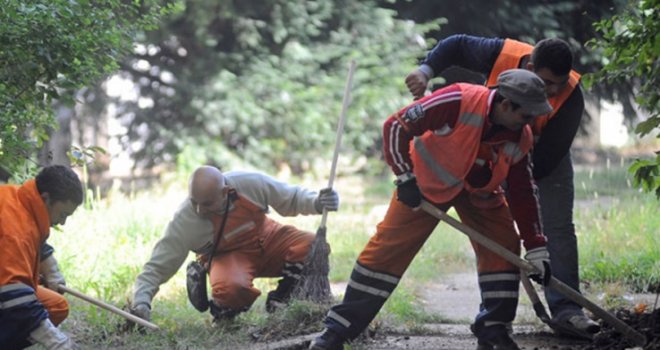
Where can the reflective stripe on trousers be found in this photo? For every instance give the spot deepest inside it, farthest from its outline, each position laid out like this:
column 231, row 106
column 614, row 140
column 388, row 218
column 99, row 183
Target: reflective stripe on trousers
column 366, row 293
column 499, row 300
column 398, row 239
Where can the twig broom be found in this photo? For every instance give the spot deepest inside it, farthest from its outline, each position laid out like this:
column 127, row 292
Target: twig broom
column 314, row 284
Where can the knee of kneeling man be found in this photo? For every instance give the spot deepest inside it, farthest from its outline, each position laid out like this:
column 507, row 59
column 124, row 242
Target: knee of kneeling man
column 226, row 289
column 58, row 312
column 234, row 295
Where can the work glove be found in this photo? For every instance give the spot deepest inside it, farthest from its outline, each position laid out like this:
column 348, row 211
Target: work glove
column 540, row 258
column 142, row 311
column 328, row 199
column 408, row 193
column 417, row 82
column 50, row 271
column 50, row 337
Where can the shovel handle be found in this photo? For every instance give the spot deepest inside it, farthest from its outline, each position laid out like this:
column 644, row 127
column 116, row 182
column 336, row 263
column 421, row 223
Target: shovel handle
column 110, row 308
column 627, row 331
column 539, row 308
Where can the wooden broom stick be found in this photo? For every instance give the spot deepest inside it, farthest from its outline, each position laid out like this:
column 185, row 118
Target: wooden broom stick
column 110, row 308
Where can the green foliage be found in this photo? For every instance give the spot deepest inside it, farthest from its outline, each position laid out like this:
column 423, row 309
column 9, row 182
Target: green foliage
column 647, row 174
column 630, row 48
column 49, row 49
column 267, row 81
column 525, row 20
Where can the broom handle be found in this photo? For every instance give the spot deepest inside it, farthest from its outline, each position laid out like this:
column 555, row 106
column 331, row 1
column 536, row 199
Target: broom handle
column 109, row 307
column 524, row 265
column 340, row 132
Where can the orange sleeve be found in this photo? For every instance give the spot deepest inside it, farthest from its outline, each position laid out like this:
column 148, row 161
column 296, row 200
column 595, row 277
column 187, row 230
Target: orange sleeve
column 19, row 243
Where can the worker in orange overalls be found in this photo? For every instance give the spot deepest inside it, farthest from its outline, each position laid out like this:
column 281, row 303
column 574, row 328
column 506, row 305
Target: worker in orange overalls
column 455, row 148
column 224, row 221
column 552, row 60
column 30, row 313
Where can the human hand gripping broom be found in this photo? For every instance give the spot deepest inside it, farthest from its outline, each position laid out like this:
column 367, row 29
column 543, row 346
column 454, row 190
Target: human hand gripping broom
column 314, row 284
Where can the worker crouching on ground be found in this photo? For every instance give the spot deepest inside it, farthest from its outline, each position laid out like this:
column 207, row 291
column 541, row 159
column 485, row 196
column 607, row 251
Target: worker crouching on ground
column 455, row 148
column 224, row 221
column 30, row 313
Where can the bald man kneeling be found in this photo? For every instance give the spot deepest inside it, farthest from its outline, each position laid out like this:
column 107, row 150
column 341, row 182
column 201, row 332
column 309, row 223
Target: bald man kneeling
column 224, row 222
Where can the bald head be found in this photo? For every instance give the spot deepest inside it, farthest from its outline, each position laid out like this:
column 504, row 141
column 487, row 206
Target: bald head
column 207, row 191
column 206, row 178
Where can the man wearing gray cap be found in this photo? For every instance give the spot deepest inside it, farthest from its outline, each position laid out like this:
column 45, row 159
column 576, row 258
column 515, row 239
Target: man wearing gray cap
column 454, row 148
column 552, row 60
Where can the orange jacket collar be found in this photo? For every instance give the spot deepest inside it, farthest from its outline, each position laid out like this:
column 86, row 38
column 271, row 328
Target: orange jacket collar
column 30, row 198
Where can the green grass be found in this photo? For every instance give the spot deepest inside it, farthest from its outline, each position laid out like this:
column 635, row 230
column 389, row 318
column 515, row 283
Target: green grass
column 618, row 228
column 103, row 247
column 620, row 243
column 610, row 179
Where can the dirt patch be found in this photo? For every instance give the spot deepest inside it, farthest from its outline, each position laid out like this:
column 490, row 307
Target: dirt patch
column 455, row 299
column 647, row 323
column 455, row 337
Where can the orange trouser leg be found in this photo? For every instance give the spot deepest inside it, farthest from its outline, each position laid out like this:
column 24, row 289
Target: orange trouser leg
column 231, row 279
column 55, row 303
column 284, row 245
column 494, row 223
column 498, row 279
column 232, row 274
column 379, row 267
column 398, row 238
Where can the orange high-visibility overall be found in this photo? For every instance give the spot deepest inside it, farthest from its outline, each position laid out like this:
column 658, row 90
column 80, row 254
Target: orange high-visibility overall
column 24, row 226
column 441, row 164
column 253, row 245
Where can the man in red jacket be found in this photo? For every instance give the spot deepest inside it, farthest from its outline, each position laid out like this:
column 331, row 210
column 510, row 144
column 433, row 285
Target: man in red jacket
column 552, row 60
column 29, row 313
column 455, row 148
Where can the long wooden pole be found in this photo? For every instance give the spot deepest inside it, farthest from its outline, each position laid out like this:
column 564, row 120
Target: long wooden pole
column 627, row 331
column 110, row 308
column 340, row 132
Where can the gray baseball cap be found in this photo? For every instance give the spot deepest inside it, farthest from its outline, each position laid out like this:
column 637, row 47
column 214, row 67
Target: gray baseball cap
column 526, row 89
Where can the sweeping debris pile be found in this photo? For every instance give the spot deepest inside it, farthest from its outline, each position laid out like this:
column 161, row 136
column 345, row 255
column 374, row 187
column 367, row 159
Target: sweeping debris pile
column 647, row 323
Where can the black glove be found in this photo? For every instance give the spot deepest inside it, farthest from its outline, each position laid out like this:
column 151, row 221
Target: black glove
column 408, row 193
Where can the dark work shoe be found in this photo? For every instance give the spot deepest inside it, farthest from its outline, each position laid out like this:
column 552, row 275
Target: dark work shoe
column 223, row 313
column 329, row 340
column 577, row 326
column 500, row 341
column 274, row 302
column 482, row 345
column 503, row 342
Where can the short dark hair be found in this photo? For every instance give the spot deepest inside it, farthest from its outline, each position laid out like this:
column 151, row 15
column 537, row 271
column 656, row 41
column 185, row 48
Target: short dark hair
column 61, row 183
column 554, row 54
